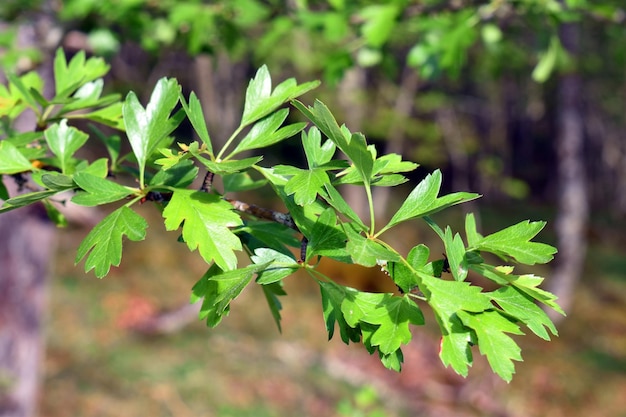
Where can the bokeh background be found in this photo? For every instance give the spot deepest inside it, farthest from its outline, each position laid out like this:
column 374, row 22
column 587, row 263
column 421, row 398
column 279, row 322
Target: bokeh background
column 523, row 102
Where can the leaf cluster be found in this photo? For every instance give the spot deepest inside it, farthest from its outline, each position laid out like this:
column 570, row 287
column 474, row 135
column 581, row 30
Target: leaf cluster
column 318, row 222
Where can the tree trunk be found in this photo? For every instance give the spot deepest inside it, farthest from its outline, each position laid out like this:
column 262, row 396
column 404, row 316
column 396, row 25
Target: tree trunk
column 572, row 199
column 25, row 250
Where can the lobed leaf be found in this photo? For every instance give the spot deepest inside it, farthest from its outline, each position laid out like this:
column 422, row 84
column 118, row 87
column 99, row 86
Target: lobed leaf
column 104, row 242
column 501, row 350
column 514, row 242
column 11, row 159
column 64, row 141
column 97, row 191
column 207, row 222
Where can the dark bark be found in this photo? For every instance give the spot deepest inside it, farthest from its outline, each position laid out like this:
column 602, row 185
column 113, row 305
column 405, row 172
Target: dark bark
column 572, row 217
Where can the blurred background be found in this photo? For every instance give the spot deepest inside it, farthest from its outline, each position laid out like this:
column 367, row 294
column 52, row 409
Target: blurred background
column 521, row 101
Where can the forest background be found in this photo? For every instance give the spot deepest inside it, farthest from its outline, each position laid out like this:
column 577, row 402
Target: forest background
column 522, row 102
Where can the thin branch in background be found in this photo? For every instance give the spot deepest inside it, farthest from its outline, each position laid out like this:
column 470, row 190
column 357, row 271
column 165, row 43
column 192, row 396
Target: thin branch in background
column 263, row 213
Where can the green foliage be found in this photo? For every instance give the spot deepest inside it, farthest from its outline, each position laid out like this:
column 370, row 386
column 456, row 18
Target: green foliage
column 319, row 222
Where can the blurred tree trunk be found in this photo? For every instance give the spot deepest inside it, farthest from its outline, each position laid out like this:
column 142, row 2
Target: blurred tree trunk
column 572, row 198
column 25, row 250
column 26, row 247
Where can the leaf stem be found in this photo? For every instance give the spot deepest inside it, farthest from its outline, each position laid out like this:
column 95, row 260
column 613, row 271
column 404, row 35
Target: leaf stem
column 228, row 142
column 370, row 201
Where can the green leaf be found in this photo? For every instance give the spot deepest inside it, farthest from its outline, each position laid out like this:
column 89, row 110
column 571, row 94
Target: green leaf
column 333, row 296
column 402, row 275
column 25, row 199
column 146, row 128
column 455, row 346
column 219, row 288
column 266, row 132
column 500, row 349
column 353, row 145
column 455, row 250
column 326, row 238
column 379, row 23
column 520, row 306
column 449, row 297
column 423, row 200
column 279, row 265
column 98, row 191
column 393, row 319
column 229, row 167
column 316, row 153
column 529, row 285
column 64, row 141
column 79, row 71
column 472, row 235
column 261, row 101
column 336, row 200
column 306, row 184
column 272, row 292
column 207, row 219
column 11, row 159
column 514, row 242
column 357, row 305
column 367, row 252
column 179, row 175
column 104, row 242
column 54, row 214
column 241, row 181
column 196, row 117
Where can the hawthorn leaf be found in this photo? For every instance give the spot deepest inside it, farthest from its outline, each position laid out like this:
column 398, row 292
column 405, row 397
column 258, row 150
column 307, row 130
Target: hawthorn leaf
column 279, row 265
column 178, row 175
column 500, row 349
column 316, row 153
column 196, row 117
column 266, row 132
column 64, row 141
column 521, row 306
column 219, row 288
column 261, row 101
column 392, row 360
column 68, row 77
column 11, row 159
column 357, row 305
column 529, row 285
column 146, row 128
column 97, row 191
column 514, row 242
column 403, row 276
column 449, row 297
column 25, row 199
column 229, row 167
column 241, row 181
column 333, row 296
column 272, row 292
column 262, row 234
column 353, row 145
column 455, row 349
column 326, row 239
column 336, row 200
column 455, row 250
column 472, row 235
column 306, row 184
column 364, row 251
column 104, row 242
column 393, row 318
column 207, row 222
column 423, row 200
